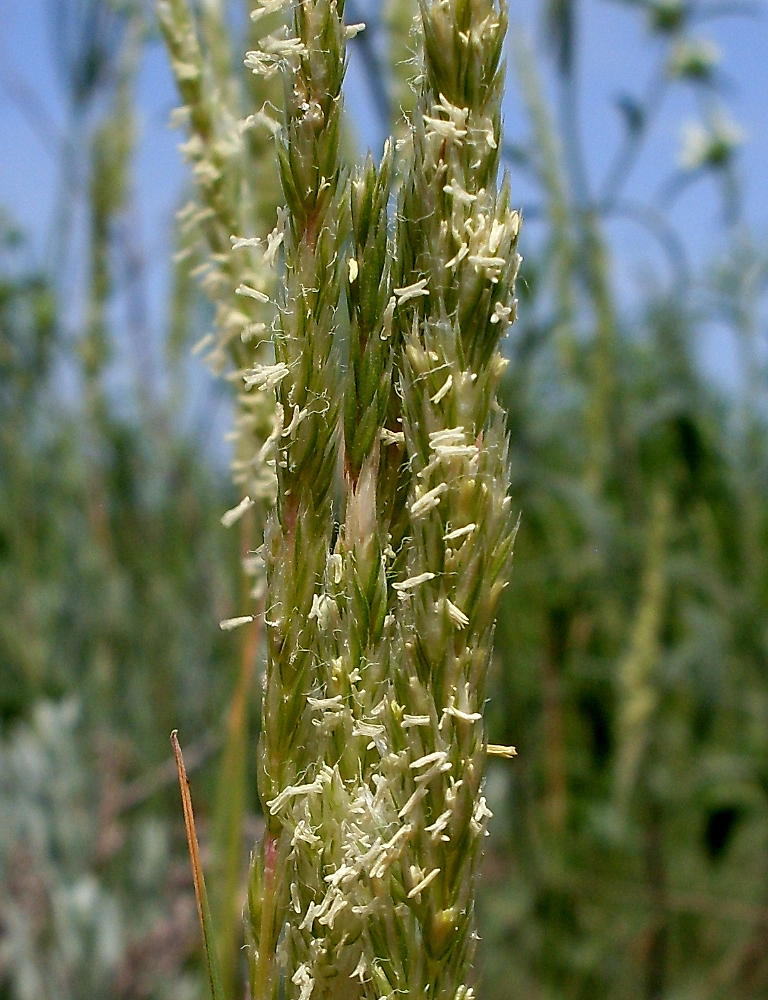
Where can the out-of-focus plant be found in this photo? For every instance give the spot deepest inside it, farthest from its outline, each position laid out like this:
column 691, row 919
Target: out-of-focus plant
column 90, row 605
column 106, row 559
column 232, row 228
column 631, row 629
column 69, row 931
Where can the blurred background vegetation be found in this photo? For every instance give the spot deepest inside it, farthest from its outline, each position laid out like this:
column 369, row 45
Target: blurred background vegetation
column 629, row 853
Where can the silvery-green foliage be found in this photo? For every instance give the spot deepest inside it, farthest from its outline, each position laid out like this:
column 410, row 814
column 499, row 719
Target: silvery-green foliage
column 71, row 930
column 46, row 839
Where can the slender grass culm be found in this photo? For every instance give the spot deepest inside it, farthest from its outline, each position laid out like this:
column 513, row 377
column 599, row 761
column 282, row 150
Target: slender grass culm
column 386, row 331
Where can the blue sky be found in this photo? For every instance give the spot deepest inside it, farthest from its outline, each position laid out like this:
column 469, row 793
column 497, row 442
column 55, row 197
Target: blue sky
column 617, row 55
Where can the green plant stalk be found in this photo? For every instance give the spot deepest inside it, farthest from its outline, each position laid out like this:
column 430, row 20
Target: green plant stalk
column 602, row 423
column 561, row 254
column 229, row 813
column 637, row 686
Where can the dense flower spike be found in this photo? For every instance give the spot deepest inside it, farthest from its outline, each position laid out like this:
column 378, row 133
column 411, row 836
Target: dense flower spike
column 306, row 379
column 379, row 629
column 227, row 152
column 456, row 241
